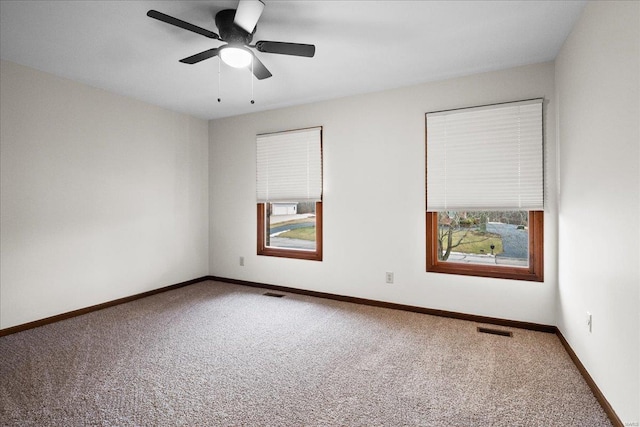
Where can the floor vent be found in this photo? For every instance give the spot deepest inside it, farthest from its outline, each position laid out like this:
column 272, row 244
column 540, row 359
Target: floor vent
column 495, row 332
column 272, row 294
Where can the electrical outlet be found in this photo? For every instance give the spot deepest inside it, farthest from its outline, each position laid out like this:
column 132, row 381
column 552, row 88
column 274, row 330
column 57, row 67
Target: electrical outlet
column 389, row 276
column 241, row 261
column 589, row 321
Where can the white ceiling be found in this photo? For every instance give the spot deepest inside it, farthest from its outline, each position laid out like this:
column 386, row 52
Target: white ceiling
column 361, row 46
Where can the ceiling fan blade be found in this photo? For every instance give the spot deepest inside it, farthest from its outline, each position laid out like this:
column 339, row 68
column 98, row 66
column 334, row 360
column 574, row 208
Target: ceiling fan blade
column 259, row 70
column 201, row 56
column 247, row 14
column 182, row 24
column 296, row 49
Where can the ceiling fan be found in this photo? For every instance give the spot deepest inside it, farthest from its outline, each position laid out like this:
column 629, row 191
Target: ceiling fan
column 237, row 28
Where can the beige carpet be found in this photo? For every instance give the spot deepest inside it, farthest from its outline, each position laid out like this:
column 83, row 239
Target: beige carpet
column 215, row 354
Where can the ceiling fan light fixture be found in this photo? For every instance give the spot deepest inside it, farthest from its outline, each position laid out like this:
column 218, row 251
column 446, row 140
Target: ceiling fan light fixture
column 237, row 57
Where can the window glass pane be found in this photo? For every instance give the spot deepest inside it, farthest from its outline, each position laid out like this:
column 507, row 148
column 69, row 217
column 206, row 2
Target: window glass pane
column 291, row 225
column 484, row 237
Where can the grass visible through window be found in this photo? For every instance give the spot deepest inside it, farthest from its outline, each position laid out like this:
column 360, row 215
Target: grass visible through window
column 303, row 229
column 306, row 233
column 476, row 242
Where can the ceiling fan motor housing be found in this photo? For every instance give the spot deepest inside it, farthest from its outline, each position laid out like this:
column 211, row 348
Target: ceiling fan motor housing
column 230, row 32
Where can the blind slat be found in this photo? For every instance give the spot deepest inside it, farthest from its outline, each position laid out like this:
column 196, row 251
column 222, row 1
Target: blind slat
column 486, row 158
column 289, row 166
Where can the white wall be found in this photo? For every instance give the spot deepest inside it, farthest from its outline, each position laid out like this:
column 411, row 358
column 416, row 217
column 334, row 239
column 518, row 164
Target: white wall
column 102, row 196
column 374, row 199
column 598, row 86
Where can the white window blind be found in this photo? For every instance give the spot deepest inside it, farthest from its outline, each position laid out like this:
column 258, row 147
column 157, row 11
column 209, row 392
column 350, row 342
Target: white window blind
column 289, row 166
column 486, row 158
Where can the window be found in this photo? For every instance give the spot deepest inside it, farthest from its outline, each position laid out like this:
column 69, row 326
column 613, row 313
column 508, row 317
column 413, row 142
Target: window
column 484, row 214
column 289, row 194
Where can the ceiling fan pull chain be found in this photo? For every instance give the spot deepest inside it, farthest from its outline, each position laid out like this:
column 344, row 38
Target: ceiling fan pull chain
column 251, row 77
column 219, row 80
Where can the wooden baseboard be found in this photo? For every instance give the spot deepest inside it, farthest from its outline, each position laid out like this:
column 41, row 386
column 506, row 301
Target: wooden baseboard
column 81, row 311
column 434, row 312
column 606, row 406
column 355, row 300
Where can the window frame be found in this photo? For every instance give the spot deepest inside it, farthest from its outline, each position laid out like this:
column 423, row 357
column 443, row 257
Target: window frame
column 265, row 250
column 534, row 272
